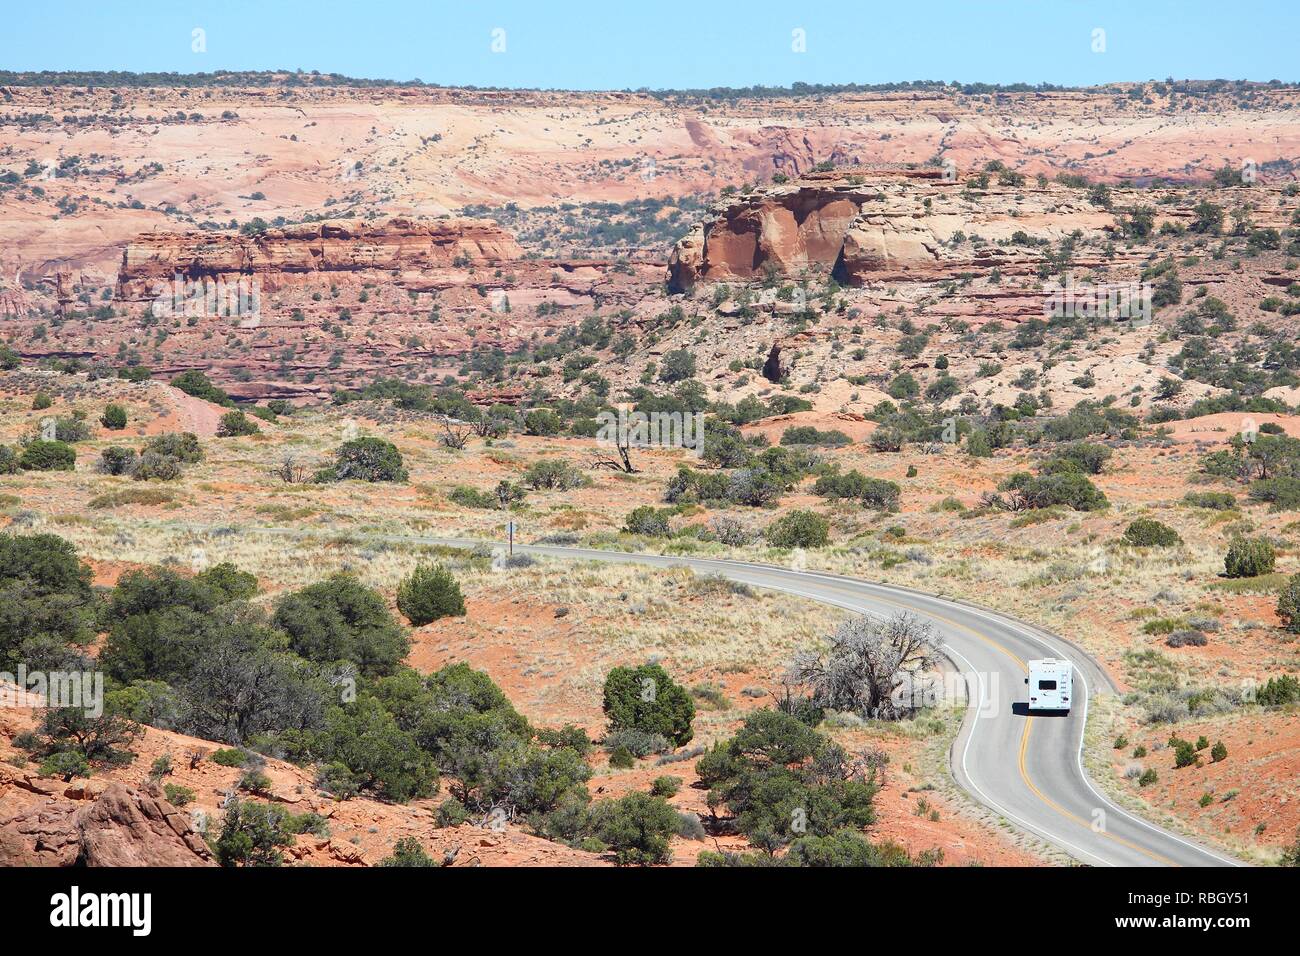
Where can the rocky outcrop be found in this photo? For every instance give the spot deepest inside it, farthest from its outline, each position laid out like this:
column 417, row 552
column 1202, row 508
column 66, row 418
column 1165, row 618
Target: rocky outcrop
column 879, row 224
column 124, row 826
column 277, row 256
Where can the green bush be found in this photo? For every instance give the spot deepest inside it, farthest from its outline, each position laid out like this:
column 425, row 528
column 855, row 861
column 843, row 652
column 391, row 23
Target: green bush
column 1288, row 604
column 554, row 473
column 1249, row 557
column 665, row 786
column 542, row 422
column 41, row 401
column 252, row 833
column 183, row 446
column 236, row 424
column 151, row 466
column 1149, row 533
column 114, row 417
column 1215, row 500
column 874, row 492
column 116, row 460
column 645, row 698
column 1279, row 692
column 177, row 795
column 8, row 461
column 197, row 384
column 636, row 827
column 781, row 780
column 48, row 456
column 428, row 593
column 367, row 459
column 340, row 619
column 798, row 529
column 648, row 521
column 229, row 757
column 407, row 852
column 1218, row 752
column 1149, row 776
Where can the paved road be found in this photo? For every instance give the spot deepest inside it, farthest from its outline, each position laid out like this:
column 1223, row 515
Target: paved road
column 1028, row 770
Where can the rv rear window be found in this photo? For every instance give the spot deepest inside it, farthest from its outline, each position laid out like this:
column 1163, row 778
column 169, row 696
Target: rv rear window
column 1047, row 685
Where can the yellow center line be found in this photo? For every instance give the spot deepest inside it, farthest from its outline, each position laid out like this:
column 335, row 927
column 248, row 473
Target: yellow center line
column 1029, row 723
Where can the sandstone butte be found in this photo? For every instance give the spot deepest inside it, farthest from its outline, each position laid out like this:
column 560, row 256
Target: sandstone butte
column 868, row 225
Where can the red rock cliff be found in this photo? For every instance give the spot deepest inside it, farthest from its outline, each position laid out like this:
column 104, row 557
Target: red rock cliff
column 340, row 246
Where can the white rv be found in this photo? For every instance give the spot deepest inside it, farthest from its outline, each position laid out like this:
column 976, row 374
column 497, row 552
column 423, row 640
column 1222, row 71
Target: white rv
column 1051, row 685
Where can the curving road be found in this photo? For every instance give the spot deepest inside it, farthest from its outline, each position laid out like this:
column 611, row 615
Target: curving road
column 1028, row 770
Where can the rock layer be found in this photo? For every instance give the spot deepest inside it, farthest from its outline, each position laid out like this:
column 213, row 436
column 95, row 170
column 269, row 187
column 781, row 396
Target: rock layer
column 276, row 256
column 878, row 224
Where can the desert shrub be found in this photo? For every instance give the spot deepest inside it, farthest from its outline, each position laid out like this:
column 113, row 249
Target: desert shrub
column 366, row 459
column 636, row 827
column 1281, row 493
column 382, row 757
column 782, row 780
column 41, row 401
column 46, row 600
column 235, row 424
column 729, row 531
column 808, row 435
column 649, row 521
column 1218, row 752
column 1215, row 500
column 152, row 466
column 1279, row 692
column 873, row 492
column 554, row 473
column 9, row 359
column 183, row 446
column 340, row 619
column 48, row 456
column 1249, row 557
column 177, row 795
column 1090, row 457
column 1186, row 638
column 451, row 813
column 468, row 497
column 407, row 852
column 1149, row 533
column 677, row 366
column 8, row 461
column 638, row 743
column 798, row 529
column 114, row 417
column 116, row 460
column 200, row 386
column 645, row 698
column 1288, row 604
column 252, row 833
column 665, row 786
column 542, row 422
column 1065, row 488
column 1184, row 754
column 428, row 593
column 229, row 757
column 1149, row 776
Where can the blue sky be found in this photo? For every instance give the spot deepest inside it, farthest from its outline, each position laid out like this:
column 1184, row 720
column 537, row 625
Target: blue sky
column 618, row 44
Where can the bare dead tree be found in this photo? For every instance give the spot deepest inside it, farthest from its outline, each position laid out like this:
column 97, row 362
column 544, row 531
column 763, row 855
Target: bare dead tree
column 623, row 461
column 292, row 471
column 869, row 666
column 454, row 433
